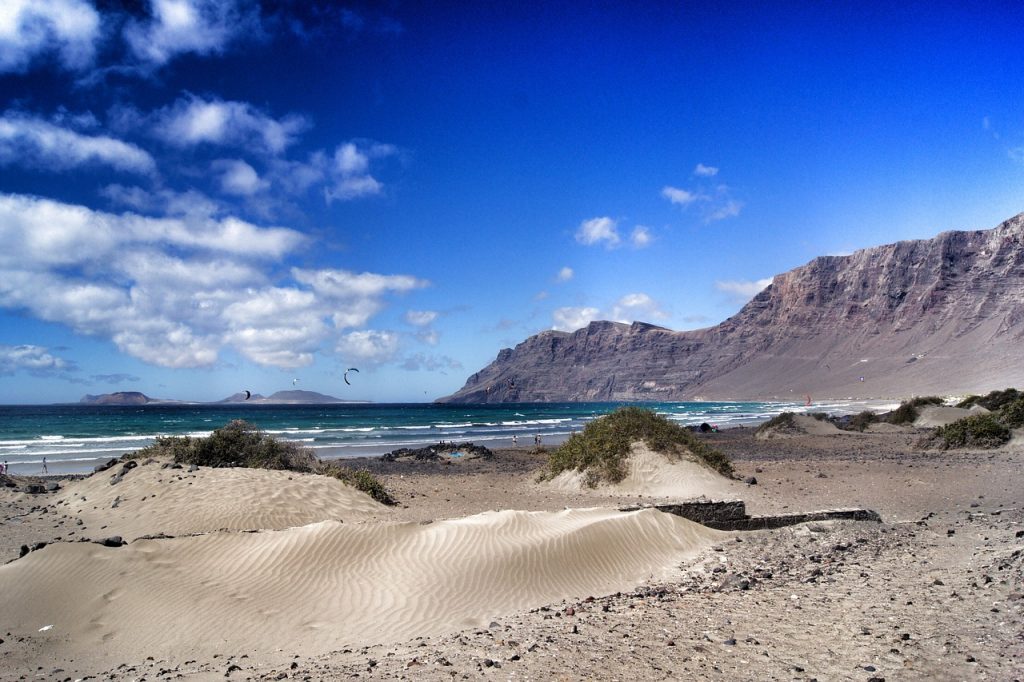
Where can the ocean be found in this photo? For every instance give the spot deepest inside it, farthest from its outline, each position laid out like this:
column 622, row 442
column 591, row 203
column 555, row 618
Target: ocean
column 75, row 438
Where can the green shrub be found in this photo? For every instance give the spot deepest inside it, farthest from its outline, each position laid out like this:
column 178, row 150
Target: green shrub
column 240, row 443
column 994, row 400
column 975, row 431
column 1012, row 414
column 862, row 420
column 360, row 479
column 907, row 412
column 784, row 421
column 601, row 449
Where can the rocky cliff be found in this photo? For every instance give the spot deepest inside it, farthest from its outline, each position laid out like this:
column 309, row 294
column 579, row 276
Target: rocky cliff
column 942, row 315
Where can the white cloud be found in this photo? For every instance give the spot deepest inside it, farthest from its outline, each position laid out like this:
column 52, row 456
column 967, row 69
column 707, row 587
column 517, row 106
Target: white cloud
column 187, row 26
column 638, row 306
column 569, row 319
column 678, row 196
column 174, row 291
column 597, row 230
column 743, row 290
column 368, row 345
column 350, row 174
column 728, row 208
column 193, row 121
column 238, row 177
column 38, row 143
column 641, row 237
column 715, row 201
column 565, row 274
column 33, row 359
column 31, row 28
column 420, row 318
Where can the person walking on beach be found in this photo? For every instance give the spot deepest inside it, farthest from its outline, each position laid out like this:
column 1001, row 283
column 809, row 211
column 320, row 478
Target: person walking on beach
column 45, row 470
column 515, row 439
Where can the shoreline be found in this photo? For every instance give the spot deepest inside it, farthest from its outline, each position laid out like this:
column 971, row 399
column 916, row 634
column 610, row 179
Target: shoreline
column 907, row 596
column 24, row 453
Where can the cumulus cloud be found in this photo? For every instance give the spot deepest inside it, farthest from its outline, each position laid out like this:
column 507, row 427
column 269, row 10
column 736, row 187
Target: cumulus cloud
column 640, row 237
column 705, row 171
column 368, row 346
column 177, row 27
column 598, row 230
column 174, row 291
column 34, row 142
column 629, row 308
column 570, row 318
column 565, row 274
column 678, row 196
column 350, row 171
column 238, row 178
column 36, row 360
column 638, row 306
column 33, row 28
column 742, row 290
column 194, row 121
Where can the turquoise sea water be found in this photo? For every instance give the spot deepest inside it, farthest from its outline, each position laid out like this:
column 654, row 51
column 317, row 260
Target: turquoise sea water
column 74, row 438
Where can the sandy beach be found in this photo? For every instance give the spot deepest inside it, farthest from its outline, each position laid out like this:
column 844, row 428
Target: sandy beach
column 481, row 571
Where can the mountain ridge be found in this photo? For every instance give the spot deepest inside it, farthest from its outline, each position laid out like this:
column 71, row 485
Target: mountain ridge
column 931, row 315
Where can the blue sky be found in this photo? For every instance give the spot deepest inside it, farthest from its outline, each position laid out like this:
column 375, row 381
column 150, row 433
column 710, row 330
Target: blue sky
column 198, row 197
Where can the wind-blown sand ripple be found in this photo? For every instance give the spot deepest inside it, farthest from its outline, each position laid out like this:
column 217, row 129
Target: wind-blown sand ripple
column 329, row 585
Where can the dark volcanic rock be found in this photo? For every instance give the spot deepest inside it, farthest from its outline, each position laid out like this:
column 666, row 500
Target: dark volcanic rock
column 838, row 326
column 440, row 451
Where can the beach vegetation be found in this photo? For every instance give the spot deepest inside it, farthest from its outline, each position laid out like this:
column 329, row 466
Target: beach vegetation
column 240, row 443
column 1012, row 414
column 601, row 450
column 908, row 412
column 862, row 420
column 994, row 400
column 975, row 431
column 360, row 479
column 784, row 421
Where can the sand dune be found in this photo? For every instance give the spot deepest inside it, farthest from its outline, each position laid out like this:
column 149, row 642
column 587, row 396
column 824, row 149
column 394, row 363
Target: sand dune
column 152, row 500
column 656, row 475
column 941, row 415
column 329, row 585
column 803, row 425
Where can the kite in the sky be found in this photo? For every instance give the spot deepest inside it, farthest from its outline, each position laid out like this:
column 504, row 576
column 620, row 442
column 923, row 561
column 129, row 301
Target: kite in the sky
column 350, row 369
column 248, row 395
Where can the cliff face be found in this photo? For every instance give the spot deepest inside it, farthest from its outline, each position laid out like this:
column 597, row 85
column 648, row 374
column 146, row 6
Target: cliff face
column 942, row 315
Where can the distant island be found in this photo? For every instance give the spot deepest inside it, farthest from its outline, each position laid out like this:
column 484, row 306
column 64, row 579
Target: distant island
column 129, row 398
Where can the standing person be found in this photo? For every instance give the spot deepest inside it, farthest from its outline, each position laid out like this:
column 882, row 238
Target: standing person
column 45, row 470
column 515, row 440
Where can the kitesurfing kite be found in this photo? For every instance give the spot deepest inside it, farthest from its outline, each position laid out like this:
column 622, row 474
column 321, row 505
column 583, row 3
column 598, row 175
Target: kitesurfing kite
column 350, row 369
column 248, row 395
column 294, row 381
